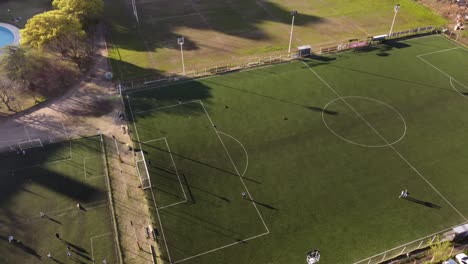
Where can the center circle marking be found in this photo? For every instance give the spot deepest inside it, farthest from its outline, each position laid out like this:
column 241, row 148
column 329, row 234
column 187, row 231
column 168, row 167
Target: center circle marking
column 370, row 99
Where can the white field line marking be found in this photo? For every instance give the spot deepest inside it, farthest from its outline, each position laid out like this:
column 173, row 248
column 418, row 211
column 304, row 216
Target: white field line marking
column 168, row 106
column 452, row 41
column 53, row 213
column 390, row 146
column 178, row 176
column 157, row 208
column 223, row 247
column 27, row 134
column 66, row 132
column 359, row 144
column 245, row 151
column 434, row 52
column 455, row 88
column 92, row 247
column 152, row 140
column 450, row 77
column 84, row 167
column 172, row 204
column 409, row 243
column 175, row 168
column 151, row 189
column 235, row 167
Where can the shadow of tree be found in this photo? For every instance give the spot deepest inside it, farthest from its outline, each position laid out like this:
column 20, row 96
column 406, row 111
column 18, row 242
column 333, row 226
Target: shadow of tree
column 159, row 22
column 37, row 181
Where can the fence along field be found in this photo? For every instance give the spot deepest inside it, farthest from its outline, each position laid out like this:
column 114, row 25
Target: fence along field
column 219, row 32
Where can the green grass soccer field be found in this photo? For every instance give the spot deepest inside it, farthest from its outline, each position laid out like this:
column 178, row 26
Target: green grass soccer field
column 53, row 179
column 322, row 149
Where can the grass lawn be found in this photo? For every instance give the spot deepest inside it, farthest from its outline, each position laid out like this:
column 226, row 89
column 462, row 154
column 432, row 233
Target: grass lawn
column 322, row 148
column 221, row 32
column 54, row 179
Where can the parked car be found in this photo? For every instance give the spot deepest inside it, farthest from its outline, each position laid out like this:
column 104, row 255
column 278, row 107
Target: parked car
column 462, row 258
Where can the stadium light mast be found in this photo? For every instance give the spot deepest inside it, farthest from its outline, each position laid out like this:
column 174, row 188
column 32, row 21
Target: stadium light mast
column 180, row 41
column 396, row 9
column 293, row 14
column 9, row 12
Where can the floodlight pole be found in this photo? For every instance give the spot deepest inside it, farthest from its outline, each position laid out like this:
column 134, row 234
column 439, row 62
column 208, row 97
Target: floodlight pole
column 396, row 9
column 181, row 43
column 9, row 12
column 293, row 14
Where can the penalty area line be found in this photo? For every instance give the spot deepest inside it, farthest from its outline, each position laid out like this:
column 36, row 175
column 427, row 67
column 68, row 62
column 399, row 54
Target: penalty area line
column 222, row 247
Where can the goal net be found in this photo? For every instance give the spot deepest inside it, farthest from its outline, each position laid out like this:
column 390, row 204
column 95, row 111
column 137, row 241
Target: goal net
column 135, row 12
column 142, row 170
column 33, row 143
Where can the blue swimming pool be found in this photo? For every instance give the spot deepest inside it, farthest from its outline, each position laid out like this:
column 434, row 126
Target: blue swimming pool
column 6, row 37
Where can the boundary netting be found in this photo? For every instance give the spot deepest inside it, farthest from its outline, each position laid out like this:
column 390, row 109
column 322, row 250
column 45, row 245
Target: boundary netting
column 142, row 170
column 197, row 71
column 27, row 136
column 29, row 144
column 402, row 251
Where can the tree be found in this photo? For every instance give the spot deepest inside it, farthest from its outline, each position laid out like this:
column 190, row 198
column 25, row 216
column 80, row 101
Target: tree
column 50, row 26
column 14, row 63
column 440, row 250
column 37, row 72
column 59, row 33
column 85, row 10
column 8, row 90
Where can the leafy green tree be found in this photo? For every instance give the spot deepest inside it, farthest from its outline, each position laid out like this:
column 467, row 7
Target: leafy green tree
column 440, row 250
column 14, row 62
column 50, row 26
column 36, row 72
column 8, row 90
column 85, row 10
column 58, row 33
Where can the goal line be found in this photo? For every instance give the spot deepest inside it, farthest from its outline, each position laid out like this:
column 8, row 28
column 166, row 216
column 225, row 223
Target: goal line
column 142, row 170
column 28, row 144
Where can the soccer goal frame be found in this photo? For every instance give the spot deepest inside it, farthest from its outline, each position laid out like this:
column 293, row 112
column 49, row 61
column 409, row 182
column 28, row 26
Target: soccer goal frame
column 29, row 144
column 142, row 170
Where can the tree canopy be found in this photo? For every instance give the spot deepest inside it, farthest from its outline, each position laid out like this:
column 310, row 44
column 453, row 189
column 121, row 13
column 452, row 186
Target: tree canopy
column 48, row 27
column 84, row 10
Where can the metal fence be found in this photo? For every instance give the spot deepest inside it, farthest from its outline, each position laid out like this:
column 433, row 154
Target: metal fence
column 198, row 71
column 406, row 249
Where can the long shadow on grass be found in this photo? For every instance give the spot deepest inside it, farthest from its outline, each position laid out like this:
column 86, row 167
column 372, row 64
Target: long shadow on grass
column 175, row 97
column 18, row 178
column 196, row 161
column 187, row 218
column 159, row 27
column 313, row 108
column 20, row 245
column 417, row 201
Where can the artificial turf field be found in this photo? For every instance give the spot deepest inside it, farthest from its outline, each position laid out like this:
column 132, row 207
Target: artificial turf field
column 53, row 179
column 322, row 147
